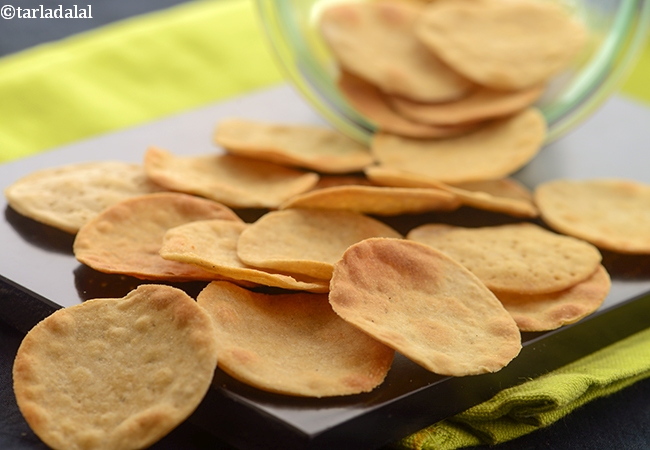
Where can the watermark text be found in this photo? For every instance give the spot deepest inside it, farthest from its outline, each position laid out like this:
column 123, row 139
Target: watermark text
column 59, row 12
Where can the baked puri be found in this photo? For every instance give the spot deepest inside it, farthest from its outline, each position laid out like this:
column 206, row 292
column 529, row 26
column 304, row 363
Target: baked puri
column 506, row 45
column 479, row 105
column 310, row 147
column 521, row 258
column 342, row 180
column 66, row 197
column 504, row 195
column 376, row 41
column 377, row 200
column 425, row 305
column 545, row 312
column 503, row 188
column 212, row 246
column 232, row 180
column 479, row 196
column 125, row 238
column 115, row 373
column 613, row 214
column 292, row 343
column 368, row 100
column 306, row 241
column 493, row 151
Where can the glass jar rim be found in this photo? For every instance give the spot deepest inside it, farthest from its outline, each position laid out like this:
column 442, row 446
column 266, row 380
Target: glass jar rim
column 591, row 87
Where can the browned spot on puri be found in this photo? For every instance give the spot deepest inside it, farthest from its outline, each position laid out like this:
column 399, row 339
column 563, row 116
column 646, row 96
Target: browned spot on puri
column 59, row 323
column 242, row 356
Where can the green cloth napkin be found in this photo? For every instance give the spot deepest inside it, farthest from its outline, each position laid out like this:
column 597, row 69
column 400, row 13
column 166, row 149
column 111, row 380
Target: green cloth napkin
column 178, row 59
column 540, row 402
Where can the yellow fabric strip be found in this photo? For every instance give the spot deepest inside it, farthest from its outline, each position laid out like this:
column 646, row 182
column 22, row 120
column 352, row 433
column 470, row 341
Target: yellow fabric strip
column 637, row 84
column 131, row 72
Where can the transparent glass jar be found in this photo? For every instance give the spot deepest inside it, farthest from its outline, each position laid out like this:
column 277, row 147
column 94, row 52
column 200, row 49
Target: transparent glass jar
column 618, row 29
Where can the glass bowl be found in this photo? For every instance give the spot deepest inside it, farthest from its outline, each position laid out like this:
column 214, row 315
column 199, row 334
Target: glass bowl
column 618, row 29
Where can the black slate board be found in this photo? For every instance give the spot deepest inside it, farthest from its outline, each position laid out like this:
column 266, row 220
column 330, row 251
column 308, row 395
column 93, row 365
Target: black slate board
column 39, row 274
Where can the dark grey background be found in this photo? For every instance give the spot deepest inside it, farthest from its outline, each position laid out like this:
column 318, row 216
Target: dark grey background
column 19, row 34
column 621, row 421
